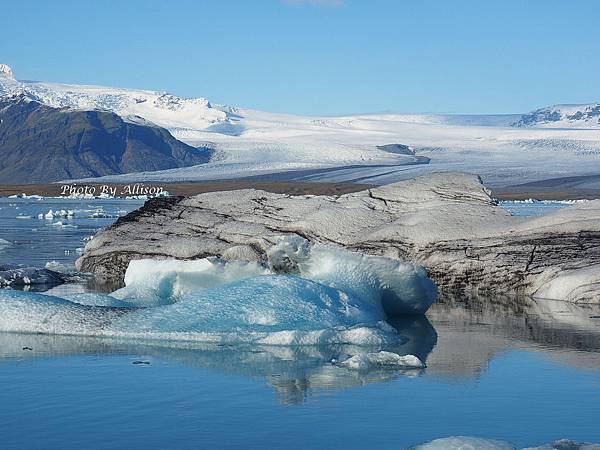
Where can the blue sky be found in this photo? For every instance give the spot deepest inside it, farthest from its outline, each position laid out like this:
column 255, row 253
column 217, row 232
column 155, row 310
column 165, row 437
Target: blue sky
column 318, row 56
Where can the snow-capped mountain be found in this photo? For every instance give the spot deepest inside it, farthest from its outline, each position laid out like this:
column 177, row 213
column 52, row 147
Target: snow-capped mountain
column 40, row 144
column 563, row 116
column 163, row 109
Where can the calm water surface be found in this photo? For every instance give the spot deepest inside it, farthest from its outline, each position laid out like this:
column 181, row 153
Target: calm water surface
column 36, row 241
column 523, row 371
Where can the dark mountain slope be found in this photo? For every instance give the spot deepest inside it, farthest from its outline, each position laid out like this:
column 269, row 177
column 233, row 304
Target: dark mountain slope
column 40, row 144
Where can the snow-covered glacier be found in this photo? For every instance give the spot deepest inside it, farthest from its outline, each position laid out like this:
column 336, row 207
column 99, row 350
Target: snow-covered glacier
column 327, row 296
column 248, row 142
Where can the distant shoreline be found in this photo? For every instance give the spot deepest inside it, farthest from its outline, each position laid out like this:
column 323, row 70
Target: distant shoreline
column 569, row 188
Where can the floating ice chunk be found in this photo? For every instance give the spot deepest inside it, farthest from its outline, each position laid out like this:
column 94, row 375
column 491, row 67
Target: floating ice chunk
column 18, row 275
column 387, row 285
column 465, row 443
column 272, row 309
column 171, row 279
column 4, row 243
column 395, row 286
column 99, row 213
column 336, row 297
column 382, row 359
column 62, row 213
column 60, row 267
column 566, row 444
column 29, row 312
column 269, row 310
column 33, row 197
column 61, row 224
column 23, row 216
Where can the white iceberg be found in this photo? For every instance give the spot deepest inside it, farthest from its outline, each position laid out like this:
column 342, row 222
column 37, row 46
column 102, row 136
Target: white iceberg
column 335, row 297
column 397, row 287
column 566, row 444
column 172, row 279
column 389, row 286
column 382, row 359
column 270, row 310
column 465, row 443
column 476, row 443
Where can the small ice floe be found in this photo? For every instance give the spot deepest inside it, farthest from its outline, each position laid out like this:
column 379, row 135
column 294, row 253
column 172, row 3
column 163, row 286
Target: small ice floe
column 137, row 197
column 477, row 443
column 98, row 213
column 61, row 224
column 4, row 243
column 23, row 216
column 51, row 215
column 101, row 214
column 548, row 202
column 464, row 443
column 87, row 196
column 60, row 267
column 566, row 444
column 23, row 195
column 18, row 275
column 70, row 274
column 385, row 360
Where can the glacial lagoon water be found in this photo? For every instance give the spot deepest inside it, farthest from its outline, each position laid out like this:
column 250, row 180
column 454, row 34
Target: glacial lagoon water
column 34, row 241
column 524, row 371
